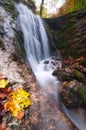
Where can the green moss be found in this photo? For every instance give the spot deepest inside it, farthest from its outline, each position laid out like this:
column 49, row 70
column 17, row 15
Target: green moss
column 82, row 94
column 75, row 97
column 63, row 36
column 9, row 6
column 78, row 74
column 14, row 15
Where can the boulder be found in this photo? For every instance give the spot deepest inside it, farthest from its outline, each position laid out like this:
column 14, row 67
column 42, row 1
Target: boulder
column 73, row 94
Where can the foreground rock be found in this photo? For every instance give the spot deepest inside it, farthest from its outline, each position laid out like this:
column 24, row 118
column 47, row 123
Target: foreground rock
column 73, row 94
column 73, row 77
column 71, row 69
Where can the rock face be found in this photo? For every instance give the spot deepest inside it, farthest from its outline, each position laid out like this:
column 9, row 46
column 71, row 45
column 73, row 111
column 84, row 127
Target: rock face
column 68, row 33
column 12, row 62
column 12, row 59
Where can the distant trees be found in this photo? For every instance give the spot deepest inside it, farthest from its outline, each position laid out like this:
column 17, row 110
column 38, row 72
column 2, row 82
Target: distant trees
column 71, row 6
column 41, row 8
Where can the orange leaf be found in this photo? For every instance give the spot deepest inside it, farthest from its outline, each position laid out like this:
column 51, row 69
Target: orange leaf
column 6, row 106
column 20, row 115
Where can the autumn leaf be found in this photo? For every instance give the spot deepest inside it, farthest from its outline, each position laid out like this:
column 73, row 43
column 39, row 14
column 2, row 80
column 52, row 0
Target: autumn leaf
column 3, row 83
column 19, row 100
column 20, row 115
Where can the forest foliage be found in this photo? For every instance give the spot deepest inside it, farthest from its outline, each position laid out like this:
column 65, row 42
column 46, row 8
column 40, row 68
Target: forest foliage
column 71, row 6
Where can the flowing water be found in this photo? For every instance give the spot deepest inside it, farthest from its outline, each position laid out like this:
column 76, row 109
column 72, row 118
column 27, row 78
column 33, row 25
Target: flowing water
column 77, row 116
column 36, row 45
column 37, row 49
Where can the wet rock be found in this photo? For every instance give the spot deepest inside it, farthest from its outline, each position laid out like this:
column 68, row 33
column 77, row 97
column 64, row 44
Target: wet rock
column 73, row 76
column 70, row 69
column 56, row 58
column 46, row 62
column 63, row 74
column 73, row 94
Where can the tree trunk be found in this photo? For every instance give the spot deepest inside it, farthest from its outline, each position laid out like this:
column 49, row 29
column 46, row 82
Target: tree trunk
column 41, row 8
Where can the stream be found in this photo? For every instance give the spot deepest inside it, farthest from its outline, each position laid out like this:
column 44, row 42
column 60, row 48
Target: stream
column 36, row 44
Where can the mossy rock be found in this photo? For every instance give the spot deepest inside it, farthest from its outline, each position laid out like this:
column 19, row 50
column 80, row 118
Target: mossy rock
column 78, row 75
column 74, row 94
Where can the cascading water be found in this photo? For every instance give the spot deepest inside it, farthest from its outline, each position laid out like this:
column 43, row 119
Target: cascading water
column 36, row 44
column 35, row 37
column 37, row 49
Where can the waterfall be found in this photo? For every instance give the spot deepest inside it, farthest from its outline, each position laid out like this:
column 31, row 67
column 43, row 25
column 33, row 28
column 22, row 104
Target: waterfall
column 37, row 49
column 35, row 37
column 36, row 45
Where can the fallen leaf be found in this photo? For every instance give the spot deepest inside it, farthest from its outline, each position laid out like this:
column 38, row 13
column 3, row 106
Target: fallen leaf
column 18, row 101
column 3, row 83
column 20, row 115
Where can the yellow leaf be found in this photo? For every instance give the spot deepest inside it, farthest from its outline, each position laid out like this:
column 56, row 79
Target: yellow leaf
column 19, row 100
column 3, row 83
